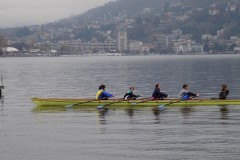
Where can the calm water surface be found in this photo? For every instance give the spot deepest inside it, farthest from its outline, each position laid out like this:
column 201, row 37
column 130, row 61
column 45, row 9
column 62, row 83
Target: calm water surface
column 209, row 133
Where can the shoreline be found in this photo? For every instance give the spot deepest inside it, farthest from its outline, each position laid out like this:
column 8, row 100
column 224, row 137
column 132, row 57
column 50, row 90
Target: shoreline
column 120, row 55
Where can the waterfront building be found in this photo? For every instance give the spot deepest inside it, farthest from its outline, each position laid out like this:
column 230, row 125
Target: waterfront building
column 122, row 40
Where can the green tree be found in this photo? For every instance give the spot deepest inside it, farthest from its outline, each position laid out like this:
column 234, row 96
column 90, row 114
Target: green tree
column 23, row 31
column 20, row 45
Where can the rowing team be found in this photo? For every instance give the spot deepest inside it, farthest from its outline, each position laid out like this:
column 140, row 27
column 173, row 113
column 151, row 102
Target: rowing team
column 184, row 94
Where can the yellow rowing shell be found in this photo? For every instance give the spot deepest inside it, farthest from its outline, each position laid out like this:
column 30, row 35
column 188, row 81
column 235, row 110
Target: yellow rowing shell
column 60, row 102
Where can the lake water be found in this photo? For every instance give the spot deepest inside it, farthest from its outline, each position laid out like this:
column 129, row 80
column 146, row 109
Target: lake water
column 203, row 132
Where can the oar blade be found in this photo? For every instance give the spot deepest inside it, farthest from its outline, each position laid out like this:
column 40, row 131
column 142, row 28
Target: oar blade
column 161, row 107
column 69, row 106
column 100, row 107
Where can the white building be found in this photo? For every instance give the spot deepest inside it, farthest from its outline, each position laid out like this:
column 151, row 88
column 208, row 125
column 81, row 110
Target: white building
column 196, row 47
column 135, row 45
column 187, row 47
column 237, row 49
column 10, row 49
column 146, row 48
column 214, row 12
column 206, row 37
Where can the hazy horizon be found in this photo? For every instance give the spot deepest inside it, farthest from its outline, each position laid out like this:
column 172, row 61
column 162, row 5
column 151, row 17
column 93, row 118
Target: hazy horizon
column 15, row 13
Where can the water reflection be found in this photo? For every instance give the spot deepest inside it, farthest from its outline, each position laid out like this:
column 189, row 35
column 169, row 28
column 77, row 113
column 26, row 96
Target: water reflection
column 51, row 109
column 186, row 111
column 224, row 112
column 130, row 112
column 2, row 104
column 1, row 101
column 102, row 113
column 157, row 113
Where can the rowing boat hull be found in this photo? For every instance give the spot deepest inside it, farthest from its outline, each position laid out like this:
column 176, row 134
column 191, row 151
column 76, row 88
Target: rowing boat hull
column 90, row 103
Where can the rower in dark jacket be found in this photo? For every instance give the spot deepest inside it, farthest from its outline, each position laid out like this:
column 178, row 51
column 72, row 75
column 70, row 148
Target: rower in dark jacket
column 224, row 92
column 157, row 94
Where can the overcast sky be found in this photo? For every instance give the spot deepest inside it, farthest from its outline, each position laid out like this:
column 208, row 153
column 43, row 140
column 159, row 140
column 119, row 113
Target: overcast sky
column 26, row 12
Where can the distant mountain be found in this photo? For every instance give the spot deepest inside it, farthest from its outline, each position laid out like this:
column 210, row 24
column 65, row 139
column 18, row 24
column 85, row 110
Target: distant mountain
column 113, row 8
column 130, row 7
column 118, row 7
column 151, row 17
column 201, row 15
column 133, row 7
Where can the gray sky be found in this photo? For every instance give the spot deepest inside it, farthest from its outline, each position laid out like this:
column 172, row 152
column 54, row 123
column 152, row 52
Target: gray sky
column 26, row 12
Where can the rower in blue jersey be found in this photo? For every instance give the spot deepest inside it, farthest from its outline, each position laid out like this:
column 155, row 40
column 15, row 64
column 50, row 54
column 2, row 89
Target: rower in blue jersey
column 184, row 94
column 102, row 94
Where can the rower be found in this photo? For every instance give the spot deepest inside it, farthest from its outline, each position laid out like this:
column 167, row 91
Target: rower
column 224, row 92
column 102, row 94
column 184, row 94
column 130, row 95
column 1, row 87
column 157, row 94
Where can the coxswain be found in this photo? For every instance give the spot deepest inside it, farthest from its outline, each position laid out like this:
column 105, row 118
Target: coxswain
column 224, row 92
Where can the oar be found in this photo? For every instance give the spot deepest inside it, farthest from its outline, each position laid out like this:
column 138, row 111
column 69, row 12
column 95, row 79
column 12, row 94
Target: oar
column 148, row 99
column 162, row 107
column 69, row 106
column 103, row 105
